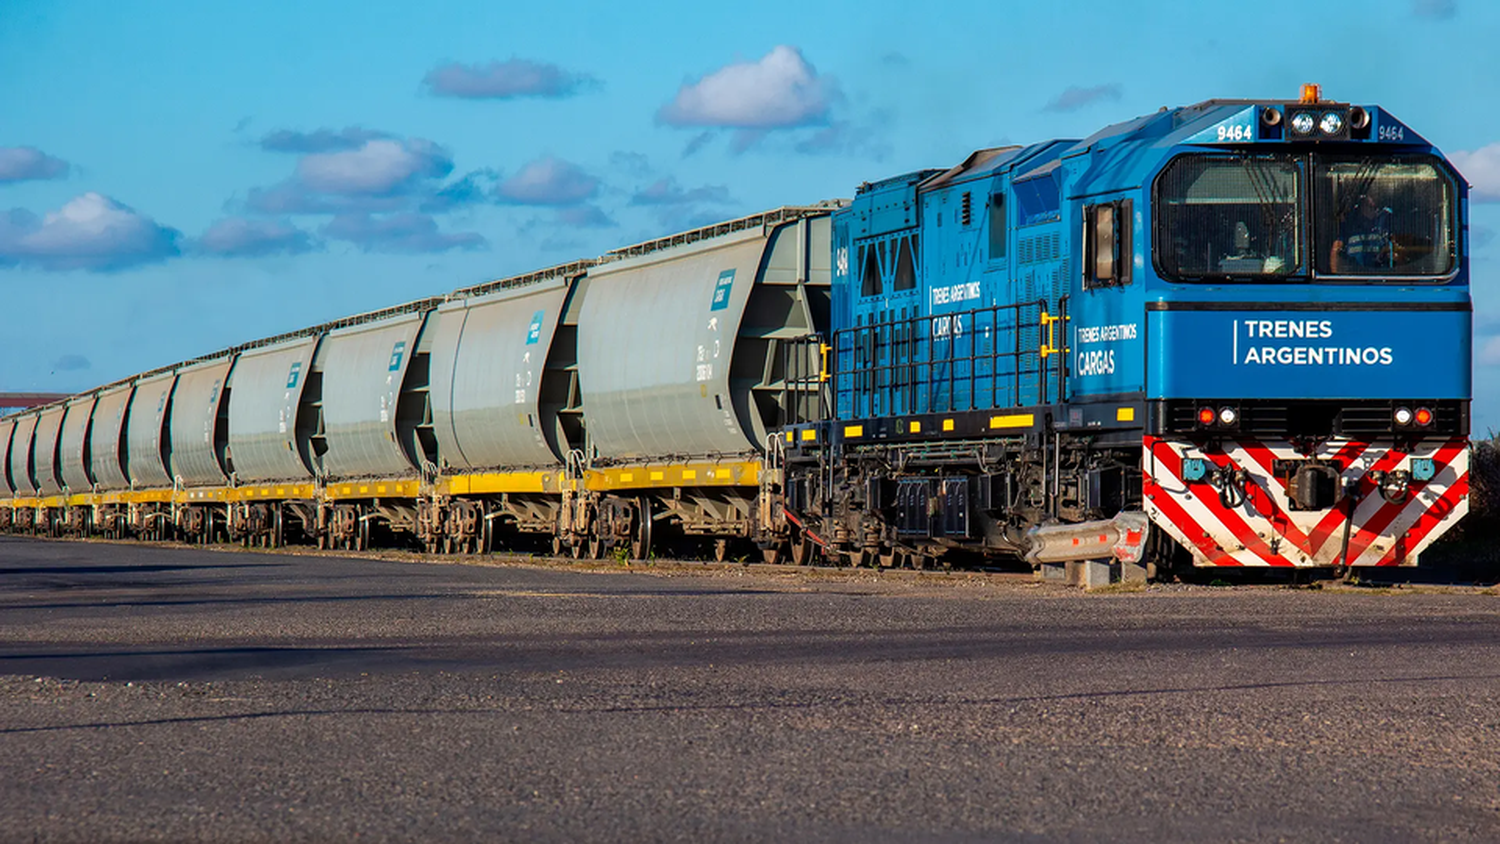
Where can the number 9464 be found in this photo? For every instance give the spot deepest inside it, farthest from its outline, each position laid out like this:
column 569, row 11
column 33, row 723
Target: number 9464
column 1239, row 132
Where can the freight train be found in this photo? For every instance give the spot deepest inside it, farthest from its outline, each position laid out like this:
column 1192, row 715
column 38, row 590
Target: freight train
column 1229, row 334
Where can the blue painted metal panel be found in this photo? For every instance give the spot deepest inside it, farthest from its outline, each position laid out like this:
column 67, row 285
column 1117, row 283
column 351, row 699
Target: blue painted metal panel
column 885, row 206
column 954, row 352
column 1266, row 354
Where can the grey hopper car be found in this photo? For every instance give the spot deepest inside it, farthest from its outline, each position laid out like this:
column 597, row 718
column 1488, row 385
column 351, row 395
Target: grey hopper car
column 8, row 431
column 197, row 404
column 148, row 438
column 679, row 353
column 269, row 438
column 369, row 424
column 18, row 466
column 503, row 382
column 107, row 439
column 73, row 448
column 477, row 406
column 44, row 451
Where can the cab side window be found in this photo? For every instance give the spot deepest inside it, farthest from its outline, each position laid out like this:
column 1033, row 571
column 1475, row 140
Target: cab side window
column 1107, row 252
column 997, row 227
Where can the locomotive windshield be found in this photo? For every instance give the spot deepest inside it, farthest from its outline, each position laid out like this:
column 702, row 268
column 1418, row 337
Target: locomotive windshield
column 1384, row 218
column 1223, row 218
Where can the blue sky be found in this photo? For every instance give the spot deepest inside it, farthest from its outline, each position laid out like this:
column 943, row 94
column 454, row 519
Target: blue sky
column 180, row 177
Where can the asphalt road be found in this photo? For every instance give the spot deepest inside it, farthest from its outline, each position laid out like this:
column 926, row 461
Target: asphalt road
column 174, row 694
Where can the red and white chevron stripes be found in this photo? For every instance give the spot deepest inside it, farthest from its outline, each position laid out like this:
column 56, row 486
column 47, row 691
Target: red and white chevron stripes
column 1260, row 528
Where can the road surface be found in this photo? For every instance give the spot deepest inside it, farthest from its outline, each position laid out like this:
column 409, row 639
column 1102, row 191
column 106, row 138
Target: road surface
column 182, row 694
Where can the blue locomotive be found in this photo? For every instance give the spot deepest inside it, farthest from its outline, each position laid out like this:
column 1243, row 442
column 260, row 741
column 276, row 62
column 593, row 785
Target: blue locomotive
column 1230, row 334
column 1247, row 320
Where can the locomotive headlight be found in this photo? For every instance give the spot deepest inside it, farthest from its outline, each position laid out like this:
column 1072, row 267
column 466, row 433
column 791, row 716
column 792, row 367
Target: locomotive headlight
column 1206, row 416
column 1402, row 416
column 1332, row 123
column 1228, row 416
column 1423, row 417
column 1303, row 122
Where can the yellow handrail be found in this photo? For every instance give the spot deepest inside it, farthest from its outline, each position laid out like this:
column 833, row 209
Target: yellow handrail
column 1050, row 347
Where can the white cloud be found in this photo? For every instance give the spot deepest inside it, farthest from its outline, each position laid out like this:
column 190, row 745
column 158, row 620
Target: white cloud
column 238, row 237
column 358, row 171
column 321, row 140
column 504, row 80
column 585, row 217
column 378, row 167
column 1489, row 353
column 1482, row 168
column 405, row 232
column 292, row 197
column 1076, row 98
column 633, row 163
column 841, row 137
column 90, row 232
column 1437, row 9
column 780, row 91
column 667, row 192
column 548, row 181
column 19, row 164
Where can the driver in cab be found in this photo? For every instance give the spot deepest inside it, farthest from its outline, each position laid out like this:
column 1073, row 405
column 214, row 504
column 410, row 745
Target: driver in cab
column 1364, row 241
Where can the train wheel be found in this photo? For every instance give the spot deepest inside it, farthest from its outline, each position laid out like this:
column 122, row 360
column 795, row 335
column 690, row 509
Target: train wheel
column 721, row 550
column 557, row 546
column 774, row 555
column 595, row 548
column 802, row 550
column 893, row 558
column 640, row 543
column 866, row 558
